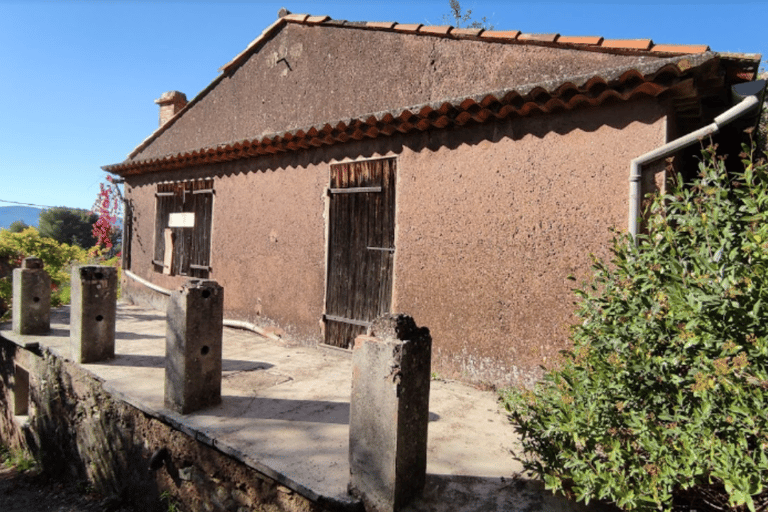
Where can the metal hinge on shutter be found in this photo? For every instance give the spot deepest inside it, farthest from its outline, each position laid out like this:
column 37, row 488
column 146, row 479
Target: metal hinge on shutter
column 353, row 190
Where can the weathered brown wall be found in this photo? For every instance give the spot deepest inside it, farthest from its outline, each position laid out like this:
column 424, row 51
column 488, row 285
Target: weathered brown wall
column 268, row 239
column 490, row 231
column 331, row 74
column 491, row 221
column 80, row 433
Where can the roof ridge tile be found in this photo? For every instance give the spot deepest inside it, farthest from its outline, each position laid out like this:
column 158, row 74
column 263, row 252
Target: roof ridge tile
column 408, row 27
column 387, row 25
column 588, row 40
column 442, row 30
column 316, row 20
column 297, row 18
column 466, row 32
column 680, row 48
column 546, row 38
column 629, row 44
column 500, row 34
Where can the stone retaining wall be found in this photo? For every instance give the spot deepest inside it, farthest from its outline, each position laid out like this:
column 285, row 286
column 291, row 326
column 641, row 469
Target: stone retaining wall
column 80, row 434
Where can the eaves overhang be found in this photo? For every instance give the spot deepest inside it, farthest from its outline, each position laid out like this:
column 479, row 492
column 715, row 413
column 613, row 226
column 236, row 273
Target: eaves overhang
column 670, row 77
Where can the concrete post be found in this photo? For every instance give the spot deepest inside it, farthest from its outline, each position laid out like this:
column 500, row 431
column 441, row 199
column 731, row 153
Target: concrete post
column 92, row 313
column 193, row 346
column 31, row 298
column 389, row 413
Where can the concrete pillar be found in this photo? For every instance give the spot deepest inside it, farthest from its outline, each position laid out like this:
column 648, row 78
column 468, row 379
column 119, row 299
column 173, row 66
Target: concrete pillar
column 193, row 346
column 92, row 313
column 31, row 298
column 389, row 413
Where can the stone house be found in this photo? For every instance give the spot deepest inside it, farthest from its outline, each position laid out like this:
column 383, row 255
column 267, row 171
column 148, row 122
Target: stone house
column 337, row 170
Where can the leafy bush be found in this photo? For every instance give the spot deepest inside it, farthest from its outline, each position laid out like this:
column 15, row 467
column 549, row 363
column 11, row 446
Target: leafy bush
column 662, row 401
column 57, row 258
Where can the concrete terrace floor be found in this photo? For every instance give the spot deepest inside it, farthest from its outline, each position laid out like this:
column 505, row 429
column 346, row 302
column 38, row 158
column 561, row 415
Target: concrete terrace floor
column 285, row 412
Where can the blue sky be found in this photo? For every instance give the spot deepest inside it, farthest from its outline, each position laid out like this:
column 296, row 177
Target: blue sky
column 78, row 78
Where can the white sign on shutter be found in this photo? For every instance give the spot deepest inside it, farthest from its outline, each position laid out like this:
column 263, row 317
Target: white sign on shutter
column 181, row 220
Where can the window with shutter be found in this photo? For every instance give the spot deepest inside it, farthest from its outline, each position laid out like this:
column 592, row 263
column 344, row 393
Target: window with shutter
column 183, row 228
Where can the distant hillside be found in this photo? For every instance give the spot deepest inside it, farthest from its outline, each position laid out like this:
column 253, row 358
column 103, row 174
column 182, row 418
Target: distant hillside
column 9, row 214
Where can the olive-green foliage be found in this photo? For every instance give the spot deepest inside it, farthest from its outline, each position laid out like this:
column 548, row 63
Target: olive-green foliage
column 17, row 226
column 68, row 226
column 663, row 397
column 57, row 258
column 459, row 18
column 17, row 458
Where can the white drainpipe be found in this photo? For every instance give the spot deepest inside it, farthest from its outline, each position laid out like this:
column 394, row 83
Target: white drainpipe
column 227, row 322
column 636, row 167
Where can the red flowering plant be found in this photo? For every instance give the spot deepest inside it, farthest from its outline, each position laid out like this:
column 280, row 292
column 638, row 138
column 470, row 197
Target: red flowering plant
column 108, row 207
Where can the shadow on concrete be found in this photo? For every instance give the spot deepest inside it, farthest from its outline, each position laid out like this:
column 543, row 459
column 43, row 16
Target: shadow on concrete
column 254, row 407
column 139, row 336
column 132, row 315
column 464, row 493
column 312, row 411
column 149, row 361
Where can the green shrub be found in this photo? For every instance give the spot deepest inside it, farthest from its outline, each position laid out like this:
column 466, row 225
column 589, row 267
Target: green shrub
column 57, row 258
column 662, row 401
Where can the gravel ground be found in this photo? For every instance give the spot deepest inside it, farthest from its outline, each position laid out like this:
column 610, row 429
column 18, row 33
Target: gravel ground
column 30, row 492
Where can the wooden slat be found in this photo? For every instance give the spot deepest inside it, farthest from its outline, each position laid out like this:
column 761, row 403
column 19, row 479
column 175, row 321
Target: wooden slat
column 350, row 321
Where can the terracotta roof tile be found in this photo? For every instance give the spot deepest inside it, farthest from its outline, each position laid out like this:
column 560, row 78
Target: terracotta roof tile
column 498, row 34
column 314, row 20
column 466, row 32
column 408, row 27
column 648, row 80
column 442, row 30
column 680, row 48
column 630, row 44
column 546, row 38
column 592, row 40
column 591, row 43
column 381, row 24
column 596, row 42
column 299, row 18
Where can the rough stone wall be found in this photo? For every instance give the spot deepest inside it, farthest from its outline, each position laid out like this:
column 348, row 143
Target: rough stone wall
column 309, row 75
column 81, row 434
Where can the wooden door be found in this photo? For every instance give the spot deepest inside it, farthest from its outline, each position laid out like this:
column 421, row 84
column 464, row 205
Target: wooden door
column 361, row 248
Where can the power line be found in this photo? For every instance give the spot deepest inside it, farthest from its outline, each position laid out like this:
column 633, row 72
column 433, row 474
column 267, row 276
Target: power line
column 26, row 204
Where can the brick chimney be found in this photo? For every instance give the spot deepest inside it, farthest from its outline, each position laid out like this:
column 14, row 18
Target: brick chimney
column 170, row 103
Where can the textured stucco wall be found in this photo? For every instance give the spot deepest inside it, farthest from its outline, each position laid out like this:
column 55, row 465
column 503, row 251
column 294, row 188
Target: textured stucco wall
column 489, row 232
column 491, row 221
column 268, row 239
column 308, row 75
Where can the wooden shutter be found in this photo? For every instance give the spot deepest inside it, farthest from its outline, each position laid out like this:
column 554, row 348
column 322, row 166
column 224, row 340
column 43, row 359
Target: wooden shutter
column 200, row 249
column 191, row 245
